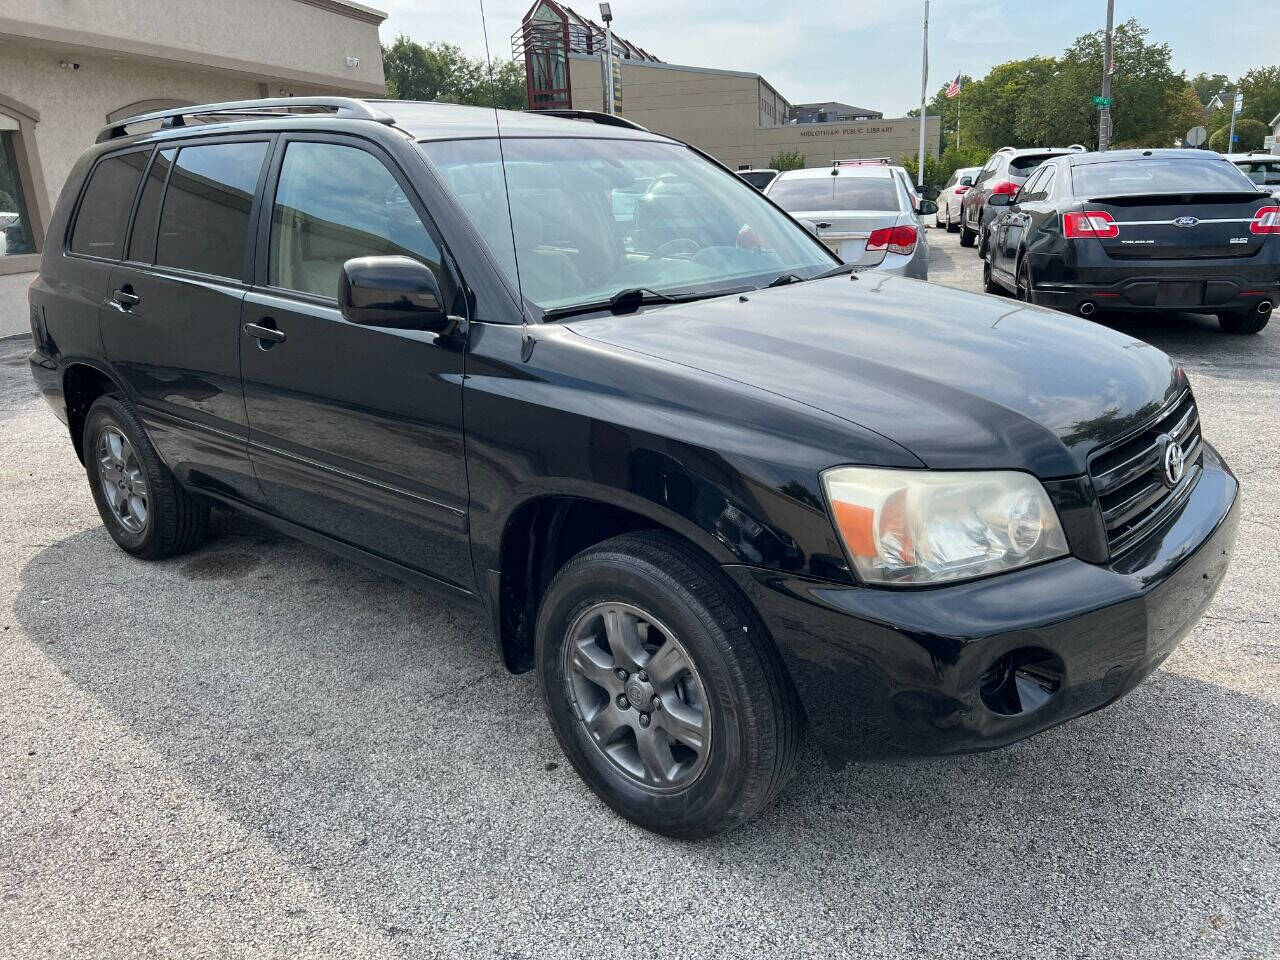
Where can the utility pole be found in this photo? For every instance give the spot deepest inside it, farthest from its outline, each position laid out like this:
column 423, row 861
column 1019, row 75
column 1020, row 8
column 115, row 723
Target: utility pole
column 607, row 16
column 1104, row 120
column 1231, row 134
column 924, row 93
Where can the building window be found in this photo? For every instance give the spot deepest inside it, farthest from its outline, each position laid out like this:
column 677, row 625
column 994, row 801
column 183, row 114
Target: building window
column 16, row 234
column 24, row 204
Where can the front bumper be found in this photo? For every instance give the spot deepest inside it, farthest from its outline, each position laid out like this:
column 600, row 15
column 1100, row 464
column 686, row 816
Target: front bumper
column 892, row 674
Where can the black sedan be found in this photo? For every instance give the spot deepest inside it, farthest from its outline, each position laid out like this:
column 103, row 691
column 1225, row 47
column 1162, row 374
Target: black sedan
column 1139, row 230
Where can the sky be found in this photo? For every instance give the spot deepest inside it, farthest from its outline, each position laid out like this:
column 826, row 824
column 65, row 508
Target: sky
column 866, row 52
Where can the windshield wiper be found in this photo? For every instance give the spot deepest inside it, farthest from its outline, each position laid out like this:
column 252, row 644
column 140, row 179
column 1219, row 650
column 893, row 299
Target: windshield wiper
column 631, row 299
column 786, row 278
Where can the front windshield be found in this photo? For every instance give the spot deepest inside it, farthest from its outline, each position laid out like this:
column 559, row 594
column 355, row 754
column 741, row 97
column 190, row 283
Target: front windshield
column 592, row 217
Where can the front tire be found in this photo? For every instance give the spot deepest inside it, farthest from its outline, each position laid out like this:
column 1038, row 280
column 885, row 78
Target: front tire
column 146, row 511
column 989, row 284
column 663, row 688
column 952, row 226
column 1236, row 322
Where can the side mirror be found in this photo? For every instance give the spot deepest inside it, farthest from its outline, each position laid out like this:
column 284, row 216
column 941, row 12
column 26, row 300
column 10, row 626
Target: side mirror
column 1000, row 199
column 396, row 292
column 966, row 181
column 926, row 207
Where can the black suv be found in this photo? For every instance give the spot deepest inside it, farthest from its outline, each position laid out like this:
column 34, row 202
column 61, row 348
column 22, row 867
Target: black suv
column 705, row 481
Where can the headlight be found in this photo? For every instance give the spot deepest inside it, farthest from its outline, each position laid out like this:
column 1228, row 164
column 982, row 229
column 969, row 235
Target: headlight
column 911, row 527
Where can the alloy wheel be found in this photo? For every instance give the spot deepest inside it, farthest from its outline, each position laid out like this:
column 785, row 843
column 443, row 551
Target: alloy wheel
column 637, row 693
column 120, row 477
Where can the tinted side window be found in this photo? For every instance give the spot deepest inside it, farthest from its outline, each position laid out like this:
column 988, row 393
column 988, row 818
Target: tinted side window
column 104, row 211
column 333, row 203
column 987, row 171
column 142, row 242
column 204, row 224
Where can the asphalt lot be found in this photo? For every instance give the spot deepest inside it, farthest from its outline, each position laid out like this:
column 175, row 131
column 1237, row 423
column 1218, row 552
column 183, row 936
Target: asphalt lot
column 258, row 750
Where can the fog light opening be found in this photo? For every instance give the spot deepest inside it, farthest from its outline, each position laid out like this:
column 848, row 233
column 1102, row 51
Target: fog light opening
column 1021, row 681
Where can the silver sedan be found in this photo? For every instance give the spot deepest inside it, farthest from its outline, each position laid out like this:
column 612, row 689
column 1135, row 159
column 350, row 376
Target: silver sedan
column 862, row 213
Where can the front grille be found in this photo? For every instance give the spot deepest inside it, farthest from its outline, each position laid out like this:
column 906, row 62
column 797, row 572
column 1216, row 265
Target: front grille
column 1128, row 474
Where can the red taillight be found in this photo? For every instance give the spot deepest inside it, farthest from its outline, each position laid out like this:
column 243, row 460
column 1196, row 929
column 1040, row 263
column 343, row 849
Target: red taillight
column 1090, row 223
column 1005, row 186
column 960, row 190
column 893, row 239
column 1266, row 220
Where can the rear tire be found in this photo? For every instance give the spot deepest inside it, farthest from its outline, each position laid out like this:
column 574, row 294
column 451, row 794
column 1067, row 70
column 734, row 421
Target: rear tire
column 983, row 237
column 1025, row 286
column 1235, row 322
column 952, row 226
column 146, row 510
column 619, row 606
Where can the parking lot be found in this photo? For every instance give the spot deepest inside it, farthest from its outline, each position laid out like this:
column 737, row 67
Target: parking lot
column 261, row 750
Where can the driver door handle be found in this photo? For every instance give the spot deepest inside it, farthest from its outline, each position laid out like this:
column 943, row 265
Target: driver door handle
column 125, row 297
column 264, row 334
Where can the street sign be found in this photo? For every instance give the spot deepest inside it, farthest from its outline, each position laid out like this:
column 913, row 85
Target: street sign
column 1101, row 102
column 1196, row 136
column 1239, row 104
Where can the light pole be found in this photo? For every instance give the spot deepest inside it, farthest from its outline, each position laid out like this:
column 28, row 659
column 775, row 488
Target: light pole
column 1104, row 117
column 924, row 93
column 1231, row 134
column 607, row 16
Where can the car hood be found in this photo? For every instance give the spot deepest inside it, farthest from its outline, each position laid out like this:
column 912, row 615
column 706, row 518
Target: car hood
column 962, row 381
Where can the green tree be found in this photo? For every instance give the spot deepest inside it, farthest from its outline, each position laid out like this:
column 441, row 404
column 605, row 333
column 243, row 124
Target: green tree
column 787, row 160
column 993, row 104
column 442, row 72
column 938, row 170
column 1249, row 131
column 1206, row 85
column 1261, row 89
column 1150, row 104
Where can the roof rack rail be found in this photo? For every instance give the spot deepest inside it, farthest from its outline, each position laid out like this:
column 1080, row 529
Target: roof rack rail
column 1007, row 150
column 1078, row 148
column 593, row 116
column 342, row 107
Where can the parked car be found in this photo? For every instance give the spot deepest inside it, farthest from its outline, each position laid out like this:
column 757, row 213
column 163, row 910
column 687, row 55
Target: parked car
column 710, row 491
column 1139, row 230
column 863, row 213
column 1004, row 172
column 1262, row 167
column 758, row 178
column 949, row 198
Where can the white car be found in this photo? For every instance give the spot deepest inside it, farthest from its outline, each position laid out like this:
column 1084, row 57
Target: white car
column 949, row 198
column 1261, row 167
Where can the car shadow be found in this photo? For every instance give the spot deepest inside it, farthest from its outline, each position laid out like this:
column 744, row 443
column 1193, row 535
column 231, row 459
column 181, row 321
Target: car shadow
column 369, row 730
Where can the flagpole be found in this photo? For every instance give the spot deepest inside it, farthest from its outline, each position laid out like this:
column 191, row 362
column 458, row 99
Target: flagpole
column 924, row 93
column 959, row 97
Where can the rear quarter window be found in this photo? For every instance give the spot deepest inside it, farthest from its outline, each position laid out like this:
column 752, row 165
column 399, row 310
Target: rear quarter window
column 105, row 207
column 1023, row 166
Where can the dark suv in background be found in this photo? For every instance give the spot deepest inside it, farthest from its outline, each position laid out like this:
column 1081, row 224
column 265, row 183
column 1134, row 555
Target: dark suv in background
column 1004, row 172
column 705, row 481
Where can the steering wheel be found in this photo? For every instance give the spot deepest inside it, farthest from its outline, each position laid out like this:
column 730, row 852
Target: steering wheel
column 674, row 248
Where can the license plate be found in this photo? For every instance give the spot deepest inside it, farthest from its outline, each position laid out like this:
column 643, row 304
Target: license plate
column 1179, row 293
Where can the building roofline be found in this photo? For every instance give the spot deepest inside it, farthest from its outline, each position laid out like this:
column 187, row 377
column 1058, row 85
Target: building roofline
column 349, row 8
column 658, row 64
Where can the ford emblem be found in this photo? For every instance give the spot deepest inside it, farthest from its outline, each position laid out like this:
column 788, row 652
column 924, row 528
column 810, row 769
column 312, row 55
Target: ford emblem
column 1186, row 221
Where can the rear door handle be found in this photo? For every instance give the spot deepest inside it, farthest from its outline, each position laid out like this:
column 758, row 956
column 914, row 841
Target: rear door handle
column 126, row 298
column 264, row 334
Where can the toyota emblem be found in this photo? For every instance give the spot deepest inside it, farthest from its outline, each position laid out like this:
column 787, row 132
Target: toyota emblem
column 1174, row 463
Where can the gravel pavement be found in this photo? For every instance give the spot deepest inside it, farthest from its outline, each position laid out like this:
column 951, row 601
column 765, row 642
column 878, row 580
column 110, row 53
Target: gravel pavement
column 259, row 750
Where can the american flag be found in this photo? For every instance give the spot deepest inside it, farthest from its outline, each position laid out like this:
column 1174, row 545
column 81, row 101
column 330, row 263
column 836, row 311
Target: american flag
column 954, row 89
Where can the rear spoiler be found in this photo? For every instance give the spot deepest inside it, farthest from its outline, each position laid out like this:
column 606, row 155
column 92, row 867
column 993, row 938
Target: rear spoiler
column 1148, row 199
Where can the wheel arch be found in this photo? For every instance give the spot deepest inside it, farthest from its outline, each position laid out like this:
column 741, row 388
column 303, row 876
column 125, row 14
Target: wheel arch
column 540, row 536
column 83, row 383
